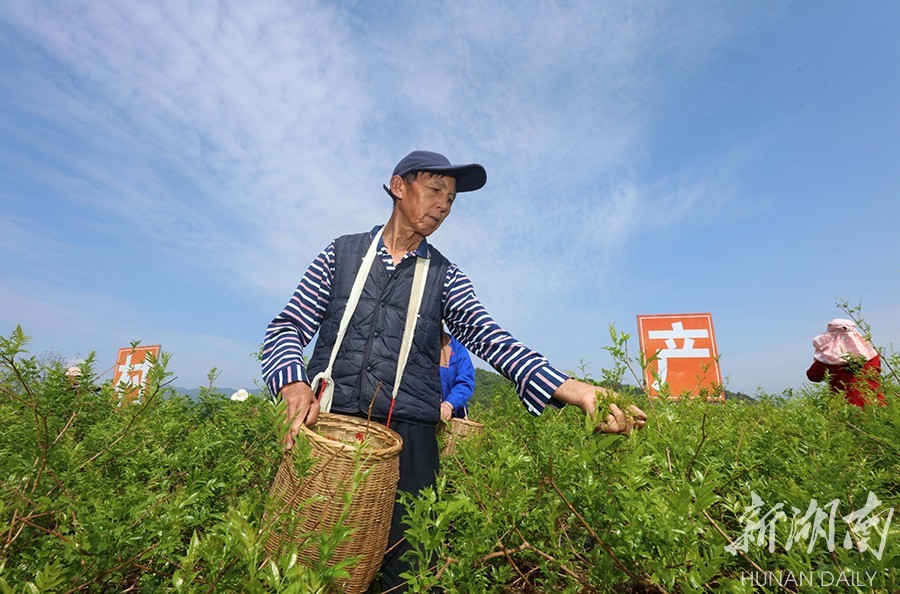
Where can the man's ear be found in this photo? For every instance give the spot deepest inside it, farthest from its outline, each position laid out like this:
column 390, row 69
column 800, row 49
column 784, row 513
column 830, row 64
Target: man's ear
column 397, row 185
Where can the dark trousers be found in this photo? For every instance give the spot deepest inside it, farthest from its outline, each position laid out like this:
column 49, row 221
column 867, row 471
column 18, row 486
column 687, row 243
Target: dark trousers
column 419, row 466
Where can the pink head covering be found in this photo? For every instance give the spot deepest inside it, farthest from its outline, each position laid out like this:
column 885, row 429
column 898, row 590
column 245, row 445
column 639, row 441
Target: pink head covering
column 841, row 339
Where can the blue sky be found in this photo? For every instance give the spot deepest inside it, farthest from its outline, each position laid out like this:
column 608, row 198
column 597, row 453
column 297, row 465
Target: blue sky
column 168, row 170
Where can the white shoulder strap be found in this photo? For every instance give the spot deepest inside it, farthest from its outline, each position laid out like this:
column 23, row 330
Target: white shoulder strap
column 412, row 315
column 353, row 300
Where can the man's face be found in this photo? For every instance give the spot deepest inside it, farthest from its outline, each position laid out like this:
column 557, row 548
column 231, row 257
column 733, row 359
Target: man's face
column 426, row 201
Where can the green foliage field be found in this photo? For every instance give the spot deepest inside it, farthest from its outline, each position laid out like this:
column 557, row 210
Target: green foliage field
column 167, row 495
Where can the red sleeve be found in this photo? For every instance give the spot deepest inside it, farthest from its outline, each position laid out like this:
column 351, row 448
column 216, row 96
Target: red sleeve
column 874, row 363
column 816, row 371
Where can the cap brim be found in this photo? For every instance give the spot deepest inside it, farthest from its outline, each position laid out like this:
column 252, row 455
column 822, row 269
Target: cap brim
column 468, row 177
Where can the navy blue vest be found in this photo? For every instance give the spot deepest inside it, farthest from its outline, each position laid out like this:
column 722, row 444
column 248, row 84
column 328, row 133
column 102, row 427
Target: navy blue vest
column 368, row 354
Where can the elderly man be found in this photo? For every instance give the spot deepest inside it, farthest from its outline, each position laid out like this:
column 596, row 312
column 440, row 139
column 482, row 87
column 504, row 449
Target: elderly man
column 424, row 186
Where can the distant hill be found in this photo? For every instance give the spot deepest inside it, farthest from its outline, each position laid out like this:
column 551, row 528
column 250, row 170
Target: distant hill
column 729, row 395
column 486, row 385
column 194, row 393
column 487, row 382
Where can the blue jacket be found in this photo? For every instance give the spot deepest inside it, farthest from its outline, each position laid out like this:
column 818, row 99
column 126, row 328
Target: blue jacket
column 458, row 378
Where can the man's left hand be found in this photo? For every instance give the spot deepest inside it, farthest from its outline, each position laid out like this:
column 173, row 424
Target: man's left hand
column 618, row 421
column 584, row 396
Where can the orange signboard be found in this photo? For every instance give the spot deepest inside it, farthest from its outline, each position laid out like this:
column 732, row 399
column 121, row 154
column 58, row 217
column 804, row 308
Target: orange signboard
column 131, row 369
column 682, row 355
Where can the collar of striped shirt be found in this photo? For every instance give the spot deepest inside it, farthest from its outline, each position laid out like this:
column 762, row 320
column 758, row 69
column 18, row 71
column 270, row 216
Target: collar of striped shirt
column 423, row 251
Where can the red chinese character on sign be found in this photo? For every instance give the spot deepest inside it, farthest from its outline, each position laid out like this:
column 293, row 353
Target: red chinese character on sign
column 681, row 354
column 131, row 370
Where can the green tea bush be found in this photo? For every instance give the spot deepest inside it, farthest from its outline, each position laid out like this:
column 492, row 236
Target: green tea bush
column 546, row 505
column 168, row 494
column 163, row 494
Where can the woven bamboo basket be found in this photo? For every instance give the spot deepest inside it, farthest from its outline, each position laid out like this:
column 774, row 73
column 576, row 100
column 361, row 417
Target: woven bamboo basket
column 319, row 499
column 455, row 430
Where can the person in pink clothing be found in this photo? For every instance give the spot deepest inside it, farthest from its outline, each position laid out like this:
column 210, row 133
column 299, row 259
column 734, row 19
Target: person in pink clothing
column 851, row 363
column 73, row 374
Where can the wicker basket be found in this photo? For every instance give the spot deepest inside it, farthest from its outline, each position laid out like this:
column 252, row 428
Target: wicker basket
column 455, row 430
column 319, row 498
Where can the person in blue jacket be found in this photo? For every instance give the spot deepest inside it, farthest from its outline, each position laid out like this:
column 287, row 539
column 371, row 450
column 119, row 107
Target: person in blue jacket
column 457, row 378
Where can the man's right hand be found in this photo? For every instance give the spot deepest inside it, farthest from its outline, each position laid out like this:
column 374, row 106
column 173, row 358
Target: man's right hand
column 302, row 406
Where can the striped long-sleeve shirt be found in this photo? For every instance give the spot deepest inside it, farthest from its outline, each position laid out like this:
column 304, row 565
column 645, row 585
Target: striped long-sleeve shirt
column 282, row 363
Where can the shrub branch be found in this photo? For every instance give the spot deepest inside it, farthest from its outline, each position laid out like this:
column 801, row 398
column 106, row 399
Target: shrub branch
column 612, row 555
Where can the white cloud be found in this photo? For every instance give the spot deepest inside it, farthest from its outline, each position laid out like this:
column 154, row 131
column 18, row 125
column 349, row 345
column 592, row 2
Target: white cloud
column 243, row 118
column 237, row 139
